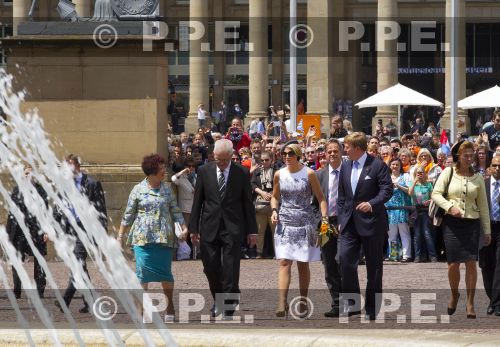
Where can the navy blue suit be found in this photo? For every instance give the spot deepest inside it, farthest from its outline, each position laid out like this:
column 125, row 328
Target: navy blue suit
column 363, row 229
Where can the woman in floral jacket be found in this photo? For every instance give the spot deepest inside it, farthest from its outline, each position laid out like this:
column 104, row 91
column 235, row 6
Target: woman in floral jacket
column 149, row 213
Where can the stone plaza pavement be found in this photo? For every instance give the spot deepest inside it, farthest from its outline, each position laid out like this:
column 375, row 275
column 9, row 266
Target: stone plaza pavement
column 411, row 288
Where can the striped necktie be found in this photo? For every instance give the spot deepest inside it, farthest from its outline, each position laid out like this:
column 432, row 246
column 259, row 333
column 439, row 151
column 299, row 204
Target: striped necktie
column 495, row 206
column 222, row 184
column 333, row 193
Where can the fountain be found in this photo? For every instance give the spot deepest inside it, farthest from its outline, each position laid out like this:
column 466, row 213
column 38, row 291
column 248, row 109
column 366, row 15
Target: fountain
column 24, row 141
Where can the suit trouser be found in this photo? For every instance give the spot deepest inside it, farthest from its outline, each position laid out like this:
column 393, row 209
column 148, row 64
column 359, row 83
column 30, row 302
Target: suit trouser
column 349, row 247
column 489, row 261
column 332, row 270
column 221, row 262
column 71, row 290
column 38, row 274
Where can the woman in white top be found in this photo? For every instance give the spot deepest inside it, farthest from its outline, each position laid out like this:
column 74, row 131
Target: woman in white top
column 296, row 235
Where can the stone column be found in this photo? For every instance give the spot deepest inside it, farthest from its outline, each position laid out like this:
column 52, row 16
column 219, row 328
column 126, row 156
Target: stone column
column 320, row 61
column 387, row 62
column 258, row 79
column 83, row 8
column 462, row 120
column 277, row 55
column 198, row 64
column 219, row 63
column 20, row 9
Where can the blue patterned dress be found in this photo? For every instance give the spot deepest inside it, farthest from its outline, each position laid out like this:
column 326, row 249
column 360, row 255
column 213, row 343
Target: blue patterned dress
column 151, row 213
column 398, row 199
column 297, row 231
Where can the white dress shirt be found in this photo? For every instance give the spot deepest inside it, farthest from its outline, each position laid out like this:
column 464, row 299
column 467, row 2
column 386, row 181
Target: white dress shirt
column 226, row 172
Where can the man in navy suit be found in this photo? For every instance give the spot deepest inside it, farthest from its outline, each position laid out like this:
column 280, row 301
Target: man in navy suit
column 364, row 186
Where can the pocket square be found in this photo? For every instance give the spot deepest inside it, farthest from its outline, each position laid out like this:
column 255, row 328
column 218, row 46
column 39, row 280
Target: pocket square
column 367, row 178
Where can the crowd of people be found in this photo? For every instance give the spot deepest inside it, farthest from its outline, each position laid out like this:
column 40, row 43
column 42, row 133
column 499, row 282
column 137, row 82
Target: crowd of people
column 345, row 198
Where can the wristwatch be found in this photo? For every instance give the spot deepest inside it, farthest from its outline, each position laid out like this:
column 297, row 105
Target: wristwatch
column 275, row 210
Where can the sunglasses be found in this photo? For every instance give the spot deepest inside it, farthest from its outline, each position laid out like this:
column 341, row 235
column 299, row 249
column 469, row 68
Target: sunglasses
column 288, row 154
column 495, row 165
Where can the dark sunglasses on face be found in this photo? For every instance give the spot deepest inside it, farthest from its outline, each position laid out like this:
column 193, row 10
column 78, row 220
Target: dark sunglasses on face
column 288, row 154
column 495, row 165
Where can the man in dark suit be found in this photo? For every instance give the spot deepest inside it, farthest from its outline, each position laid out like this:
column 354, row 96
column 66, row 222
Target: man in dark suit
column 365, row 185
column 222, row 215
column 489, row 256
column 329, row 180
column 92, row 189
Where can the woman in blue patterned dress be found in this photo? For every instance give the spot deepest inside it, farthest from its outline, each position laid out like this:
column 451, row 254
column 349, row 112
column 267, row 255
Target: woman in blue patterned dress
column 398, row 218
column 149, row 213
column 296, row 235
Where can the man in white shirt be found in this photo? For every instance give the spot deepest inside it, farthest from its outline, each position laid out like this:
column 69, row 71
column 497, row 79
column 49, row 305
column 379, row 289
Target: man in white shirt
column 202, row 115
column 329, row 181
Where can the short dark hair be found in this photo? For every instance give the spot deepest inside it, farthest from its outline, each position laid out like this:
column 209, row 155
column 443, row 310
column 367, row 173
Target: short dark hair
column 398, row 141
column 189, row 162
column 151, row 164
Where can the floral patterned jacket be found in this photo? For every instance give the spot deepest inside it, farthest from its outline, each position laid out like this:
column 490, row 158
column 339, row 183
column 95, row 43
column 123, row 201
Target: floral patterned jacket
column 150, row 213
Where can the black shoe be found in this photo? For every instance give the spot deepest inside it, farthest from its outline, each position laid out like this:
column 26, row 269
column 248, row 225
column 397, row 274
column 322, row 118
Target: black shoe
column 350, row 312
column 215, row 311
column 490, row 310
column 84, row 309
column 334, row 312
column 451, row 310
column 497, row 311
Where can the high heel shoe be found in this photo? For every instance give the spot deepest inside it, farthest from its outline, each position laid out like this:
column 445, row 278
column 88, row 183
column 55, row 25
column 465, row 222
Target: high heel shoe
column 282, row 310
column 451, row 310
column 471, row 315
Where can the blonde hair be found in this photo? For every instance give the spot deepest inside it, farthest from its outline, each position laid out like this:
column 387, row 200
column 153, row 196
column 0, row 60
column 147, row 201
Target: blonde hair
column 425, row 151
column 357, row 139
column 295, row 148
column 422, row 167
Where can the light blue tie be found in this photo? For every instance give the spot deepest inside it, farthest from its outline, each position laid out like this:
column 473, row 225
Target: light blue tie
column 354, row 177
column 495, row 206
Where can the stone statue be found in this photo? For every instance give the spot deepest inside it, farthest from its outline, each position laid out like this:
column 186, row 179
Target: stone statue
column 103, row 11
column 108, row 10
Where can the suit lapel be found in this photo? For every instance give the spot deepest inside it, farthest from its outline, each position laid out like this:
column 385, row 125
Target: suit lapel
column 325, row 181
column 215, row 180
column 347, row 176
column 488, row 191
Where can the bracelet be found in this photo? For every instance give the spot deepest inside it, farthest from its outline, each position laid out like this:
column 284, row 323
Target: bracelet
column 274, row 210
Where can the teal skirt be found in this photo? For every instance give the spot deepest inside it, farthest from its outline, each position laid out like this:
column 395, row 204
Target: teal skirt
column 153, row 263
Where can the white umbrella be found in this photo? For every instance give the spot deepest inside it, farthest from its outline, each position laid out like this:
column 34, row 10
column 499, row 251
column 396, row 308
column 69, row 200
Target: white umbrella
column 396, row 96
column 485, row 99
